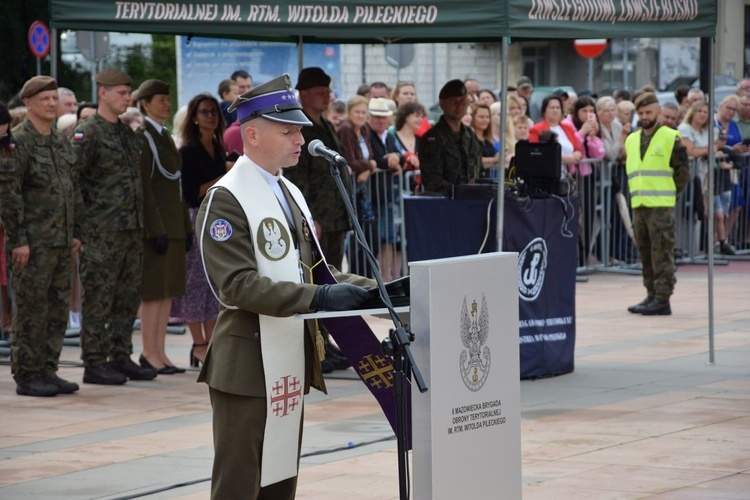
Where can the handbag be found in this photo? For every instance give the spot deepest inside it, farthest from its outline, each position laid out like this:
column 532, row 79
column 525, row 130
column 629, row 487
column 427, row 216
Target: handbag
column 365, row 212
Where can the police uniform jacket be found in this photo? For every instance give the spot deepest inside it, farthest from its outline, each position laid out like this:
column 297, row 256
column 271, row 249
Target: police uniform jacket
column 447, row 158
column 38, row 191
column 110, row 178
column 233, row 362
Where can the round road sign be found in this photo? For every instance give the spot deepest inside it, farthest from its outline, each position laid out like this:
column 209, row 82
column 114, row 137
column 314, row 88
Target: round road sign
column 39, row 40
column 590, row 48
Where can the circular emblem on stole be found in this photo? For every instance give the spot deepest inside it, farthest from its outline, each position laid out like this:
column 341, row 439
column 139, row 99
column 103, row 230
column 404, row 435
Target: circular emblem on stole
column 532, row 264
column 220, row 230
column 273, row 239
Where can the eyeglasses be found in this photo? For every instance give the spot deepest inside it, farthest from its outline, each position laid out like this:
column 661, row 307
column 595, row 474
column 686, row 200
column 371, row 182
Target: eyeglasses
column 208, row 112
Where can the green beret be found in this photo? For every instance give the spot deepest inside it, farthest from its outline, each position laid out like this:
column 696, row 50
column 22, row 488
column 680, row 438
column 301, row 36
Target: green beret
column 112, row 77
column 645, row 99
column 454, row 88
column 151, row 88
column 38, row 84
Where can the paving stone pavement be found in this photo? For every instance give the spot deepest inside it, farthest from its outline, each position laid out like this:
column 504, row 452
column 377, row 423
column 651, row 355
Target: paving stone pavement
column 644, row 415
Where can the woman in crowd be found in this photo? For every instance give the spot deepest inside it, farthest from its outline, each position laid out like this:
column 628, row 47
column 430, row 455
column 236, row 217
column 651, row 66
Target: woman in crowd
column 167, row 225
column 724, row 120
column 405, row 92
column 584, row 119
column 203, row 164
column 510, row 135
column 408, row 120
column 355, row 139
column 517, row 106
column 572, row 151
column 694, row 132
column 614, row 134
column 5, row 151
column 480, row 123
column 486, row 97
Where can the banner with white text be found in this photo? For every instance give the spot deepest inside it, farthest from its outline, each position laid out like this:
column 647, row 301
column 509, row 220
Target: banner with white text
column 371, row 21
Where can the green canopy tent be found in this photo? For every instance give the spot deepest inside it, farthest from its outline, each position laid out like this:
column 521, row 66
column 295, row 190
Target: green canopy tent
column 409, row 21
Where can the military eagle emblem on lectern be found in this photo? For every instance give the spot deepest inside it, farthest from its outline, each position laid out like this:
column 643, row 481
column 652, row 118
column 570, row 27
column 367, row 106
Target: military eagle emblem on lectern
column 475, row 358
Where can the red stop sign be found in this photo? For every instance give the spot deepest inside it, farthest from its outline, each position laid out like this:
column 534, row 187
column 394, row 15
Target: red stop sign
column 590, row 48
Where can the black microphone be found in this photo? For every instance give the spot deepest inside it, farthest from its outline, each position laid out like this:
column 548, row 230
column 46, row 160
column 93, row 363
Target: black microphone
column 317, row 148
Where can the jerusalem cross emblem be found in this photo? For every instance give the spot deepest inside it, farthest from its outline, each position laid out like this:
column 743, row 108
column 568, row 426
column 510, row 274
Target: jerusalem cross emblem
column 286, row 396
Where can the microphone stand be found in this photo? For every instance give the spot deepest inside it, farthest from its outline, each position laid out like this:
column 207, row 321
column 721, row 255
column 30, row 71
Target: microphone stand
column 396, row 345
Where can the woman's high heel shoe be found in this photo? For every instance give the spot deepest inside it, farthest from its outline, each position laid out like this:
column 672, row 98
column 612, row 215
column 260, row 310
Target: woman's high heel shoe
column 195, row 361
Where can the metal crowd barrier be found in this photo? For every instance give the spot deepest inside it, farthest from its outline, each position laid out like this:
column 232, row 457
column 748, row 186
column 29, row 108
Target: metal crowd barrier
column 605, row 233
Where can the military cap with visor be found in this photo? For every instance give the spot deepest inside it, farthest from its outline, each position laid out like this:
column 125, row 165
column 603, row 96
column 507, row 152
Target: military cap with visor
column 150, row 88
column 454, row 88
column 111, row 77
column 37, row 84
column 274, row 101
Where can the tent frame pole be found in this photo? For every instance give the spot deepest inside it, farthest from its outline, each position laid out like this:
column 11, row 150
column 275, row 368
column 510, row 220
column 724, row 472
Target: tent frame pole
column 503, row 125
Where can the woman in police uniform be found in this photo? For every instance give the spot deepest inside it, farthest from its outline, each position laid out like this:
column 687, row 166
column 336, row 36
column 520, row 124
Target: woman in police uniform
column 167, row 224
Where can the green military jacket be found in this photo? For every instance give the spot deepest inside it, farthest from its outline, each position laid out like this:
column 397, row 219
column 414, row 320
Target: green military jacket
column 164, row 208
column 233, row 362
column 110, row 177
column 447, row 158
column 38, row 189
column 312, row 175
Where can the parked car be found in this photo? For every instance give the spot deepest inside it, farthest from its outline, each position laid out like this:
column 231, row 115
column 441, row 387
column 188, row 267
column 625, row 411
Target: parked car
column 695, row 82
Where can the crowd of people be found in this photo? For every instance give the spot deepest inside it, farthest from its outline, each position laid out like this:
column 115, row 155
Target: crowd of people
column 107, row 183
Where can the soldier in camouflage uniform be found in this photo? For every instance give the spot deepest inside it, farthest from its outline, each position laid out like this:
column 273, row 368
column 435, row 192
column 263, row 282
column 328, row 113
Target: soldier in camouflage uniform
column 313, row 177
column 449, row 153
column 111, row 234
column 657, row 168
column 39, row 198
column 313, row 174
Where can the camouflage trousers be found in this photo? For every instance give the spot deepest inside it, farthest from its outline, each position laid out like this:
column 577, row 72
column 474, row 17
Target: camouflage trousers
column 654, row 230
column 41, row 306
column 111, row 272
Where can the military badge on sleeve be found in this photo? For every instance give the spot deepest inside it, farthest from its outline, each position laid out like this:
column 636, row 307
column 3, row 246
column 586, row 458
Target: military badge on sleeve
column 220, row 230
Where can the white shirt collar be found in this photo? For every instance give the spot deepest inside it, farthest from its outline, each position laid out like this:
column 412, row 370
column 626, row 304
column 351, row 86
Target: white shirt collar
column 273, row 182
column 159, row 127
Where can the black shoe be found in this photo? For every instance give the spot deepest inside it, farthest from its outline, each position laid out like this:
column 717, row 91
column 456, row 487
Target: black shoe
column 334, row 349
column 134, row 372
column 639, row 305
column 164, row 370
column 326, row 366
column 63, row 386
column 726, row 249
column 656, row 307
column 103, row 374
column 176, row 369
column 36, row 386
column 338, row 362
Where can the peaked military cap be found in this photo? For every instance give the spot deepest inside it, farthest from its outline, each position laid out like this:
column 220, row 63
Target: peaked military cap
column 454, row 88
column 152, row 87
column 37, row 84
column 274, row 100
column 113, row 76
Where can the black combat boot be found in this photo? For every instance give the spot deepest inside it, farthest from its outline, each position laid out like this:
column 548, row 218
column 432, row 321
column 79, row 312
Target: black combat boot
column 103, row 374
column 63, row 386
column 636, row 308
column 656, row 307
column 127, row 367
column 36, row 386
